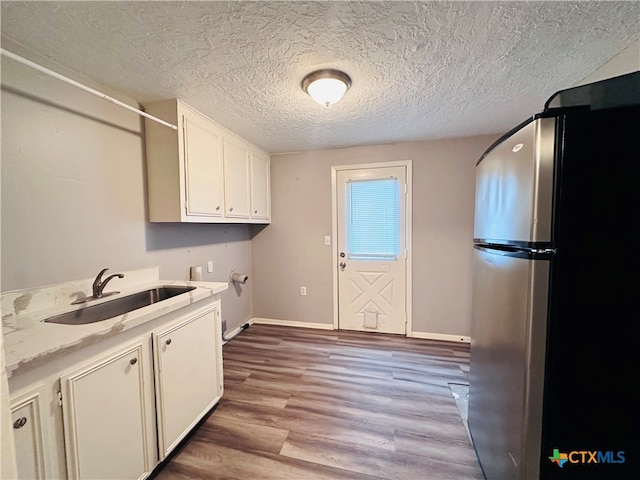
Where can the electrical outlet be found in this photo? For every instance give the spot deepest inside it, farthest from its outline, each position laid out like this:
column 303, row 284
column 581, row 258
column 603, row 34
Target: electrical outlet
column 210, row 266
column 303, row 291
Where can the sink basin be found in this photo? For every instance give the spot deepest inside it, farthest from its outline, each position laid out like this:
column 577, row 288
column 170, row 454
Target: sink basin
column 117, row 306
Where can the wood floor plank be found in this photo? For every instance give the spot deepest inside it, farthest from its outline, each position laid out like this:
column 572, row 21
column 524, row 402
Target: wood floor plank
column 309, row 404
column 201, row 460
column 241, row 436
column 366, row 409
column 372, row 461
column 273, row 368
column 234, row 377
column 457, row 447
column 419, row 405
column 356, row 431
column 257, row 396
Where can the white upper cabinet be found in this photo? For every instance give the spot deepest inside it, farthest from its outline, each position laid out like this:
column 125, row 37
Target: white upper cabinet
column 260, row 191
column 203, row 165
column 202, row 172
column 236, row 179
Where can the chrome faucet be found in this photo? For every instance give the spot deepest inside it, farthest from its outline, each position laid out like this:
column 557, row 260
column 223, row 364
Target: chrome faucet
column 99, row 284
column 98, row 287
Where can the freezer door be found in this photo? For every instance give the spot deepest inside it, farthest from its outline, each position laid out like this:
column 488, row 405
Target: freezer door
column 507, row 363
column 514, row 187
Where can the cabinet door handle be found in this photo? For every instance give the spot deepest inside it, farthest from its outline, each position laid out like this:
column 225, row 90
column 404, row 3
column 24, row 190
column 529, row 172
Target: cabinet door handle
column 231, row 209
column 217, row 208
column 133, row 361
column 168, row 342
column 255, row 212
column 19, row 423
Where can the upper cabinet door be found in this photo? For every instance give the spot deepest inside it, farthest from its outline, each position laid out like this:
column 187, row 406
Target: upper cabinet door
column 236, row 179
column 260, row 190
column 203, row 167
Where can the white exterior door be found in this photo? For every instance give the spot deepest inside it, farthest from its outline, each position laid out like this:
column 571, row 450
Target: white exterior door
column 371, row 206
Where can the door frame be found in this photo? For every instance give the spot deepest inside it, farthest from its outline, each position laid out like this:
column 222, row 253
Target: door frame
column 408, row 164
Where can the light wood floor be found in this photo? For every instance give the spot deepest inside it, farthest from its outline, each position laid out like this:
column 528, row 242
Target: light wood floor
column 312, row 404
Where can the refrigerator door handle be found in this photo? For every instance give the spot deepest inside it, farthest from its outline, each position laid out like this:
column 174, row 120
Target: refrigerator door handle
column 547, row 251
column 514, row 251
column 500, row 248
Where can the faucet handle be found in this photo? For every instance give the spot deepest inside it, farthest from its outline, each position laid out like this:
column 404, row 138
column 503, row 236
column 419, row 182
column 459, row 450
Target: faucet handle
column 98, row 286
column 97, row 283
column 99, row 276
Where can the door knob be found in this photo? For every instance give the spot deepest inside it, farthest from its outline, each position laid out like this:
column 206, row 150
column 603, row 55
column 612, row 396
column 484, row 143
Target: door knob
column 342, row 265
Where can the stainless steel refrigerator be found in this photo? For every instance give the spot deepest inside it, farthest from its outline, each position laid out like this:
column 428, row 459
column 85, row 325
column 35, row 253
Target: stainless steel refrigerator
column 554, row 363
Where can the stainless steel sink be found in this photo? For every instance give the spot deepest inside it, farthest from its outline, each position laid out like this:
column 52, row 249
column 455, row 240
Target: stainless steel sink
column 117, row 306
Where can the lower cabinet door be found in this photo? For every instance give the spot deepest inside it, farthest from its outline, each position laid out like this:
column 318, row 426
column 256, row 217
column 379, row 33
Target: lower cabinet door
column 27, row 434
column 186, row 377
column 106, row 416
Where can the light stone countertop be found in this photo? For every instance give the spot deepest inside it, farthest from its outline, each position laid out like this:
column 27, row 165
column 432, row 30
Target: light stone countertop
column 28, row 341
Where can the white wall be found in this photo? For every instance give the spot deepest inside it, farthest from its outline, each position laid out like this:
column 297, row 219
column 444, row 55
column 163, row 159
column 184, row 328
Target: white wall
column 291, row 252
column 627, row 61
column 74, row 196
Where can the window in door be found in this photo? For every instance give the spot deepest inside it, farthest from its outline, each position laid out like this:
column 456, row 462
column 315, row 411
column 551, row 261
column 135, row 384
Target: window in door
column 373, row 223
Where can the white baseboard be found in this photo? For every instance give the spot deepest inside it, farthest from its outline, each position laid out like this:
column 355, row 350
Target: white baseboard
column 227, row 336
column 329, row 326
column 441, row 336
column 292, row 323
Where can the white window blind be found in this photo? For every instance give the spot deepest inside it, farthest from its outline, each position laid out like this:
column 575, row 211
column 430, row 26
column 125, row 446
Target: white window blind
column 372, row 219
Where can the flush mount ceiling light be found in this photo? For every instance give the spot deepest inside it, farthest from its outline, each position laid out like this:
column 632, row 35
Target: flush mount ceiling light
column 326, row 86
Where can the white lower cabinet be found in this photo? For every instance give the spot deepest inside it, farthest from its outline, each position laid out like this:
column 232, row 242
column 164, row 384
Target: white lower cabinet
column 108, row 421
column 123, row 408
column 114, row 410
column 27, row 434
column 188, row 376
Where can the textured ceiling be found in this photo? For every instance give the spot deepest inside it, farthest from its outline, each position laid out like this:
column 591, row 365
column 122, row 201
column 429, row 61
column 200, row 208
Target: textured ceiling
column 420, row 70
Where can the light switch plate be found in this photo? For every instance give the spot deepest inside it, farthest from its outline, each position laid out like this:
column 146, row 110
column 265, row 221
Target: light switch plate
column 327, row 239
column 210, row 266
